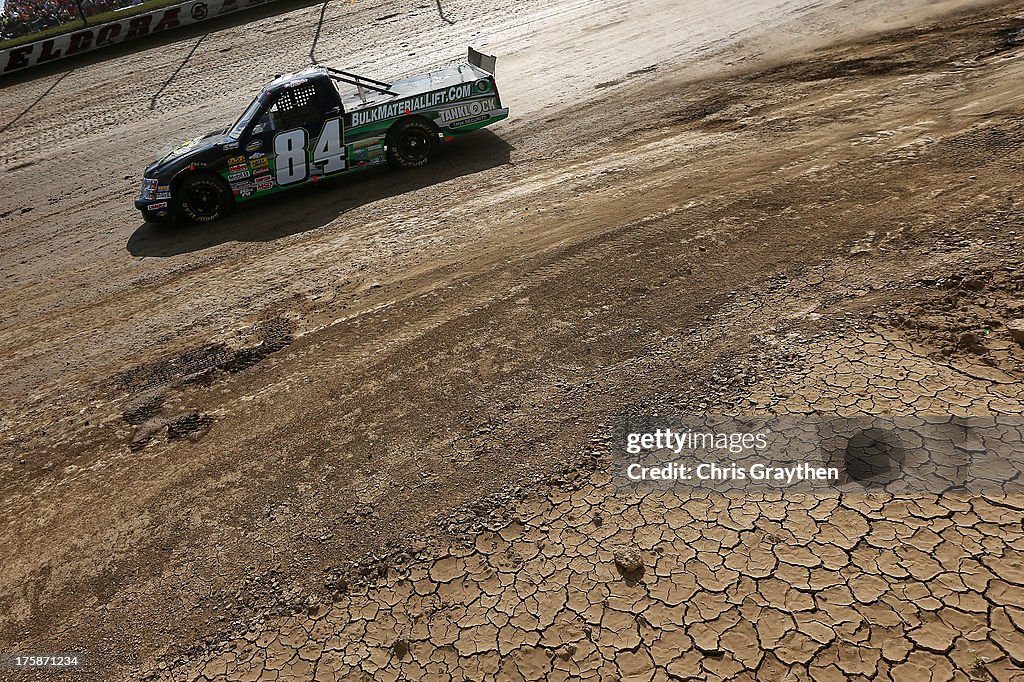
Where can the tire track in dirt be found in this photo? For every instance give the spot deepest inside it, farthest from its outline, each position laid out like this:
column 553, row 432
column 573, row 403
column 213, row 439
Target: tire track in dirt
column 475, row 294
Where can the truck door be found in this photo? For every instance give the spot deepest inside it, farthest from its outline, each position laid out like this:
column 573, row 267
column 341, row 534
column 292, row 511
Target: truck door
column 303, row 135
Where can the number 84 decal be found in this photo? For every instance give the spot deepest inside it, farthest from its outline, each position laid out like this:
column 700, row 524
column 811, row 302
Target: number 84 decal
column 293, row 165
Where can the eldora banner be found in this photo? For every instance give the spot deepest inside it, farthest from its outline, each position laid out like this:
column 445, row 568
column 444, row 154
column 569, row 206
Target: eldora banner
column 116, row 31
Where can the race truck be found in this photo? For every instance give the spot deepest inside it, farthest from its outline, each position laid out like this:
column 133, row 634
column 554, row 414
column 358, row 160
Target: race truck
column 317, row 124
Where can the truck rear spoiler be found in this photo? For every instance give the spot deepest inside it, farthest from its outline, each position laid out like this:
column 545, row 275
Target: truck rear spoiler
column 482, row 61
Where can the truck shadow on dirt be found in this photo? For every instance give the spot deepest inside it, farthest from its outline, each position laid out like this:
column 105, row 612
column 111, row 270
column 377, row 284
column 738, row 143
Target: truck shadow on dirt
column 308, row 208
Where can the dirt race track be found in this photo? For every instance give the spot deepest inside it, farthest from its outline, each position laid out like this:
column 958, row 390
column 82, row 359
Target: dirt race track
column 363, row 433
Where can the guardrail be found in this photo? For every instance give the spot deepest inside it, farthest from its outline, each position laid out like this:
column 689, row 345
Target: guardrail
column 103, row 34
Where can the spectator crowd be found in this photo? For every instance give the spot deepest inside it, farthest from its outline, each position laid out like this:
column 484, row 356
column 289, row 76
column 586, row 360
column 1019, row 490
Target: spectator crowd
column 21, row 17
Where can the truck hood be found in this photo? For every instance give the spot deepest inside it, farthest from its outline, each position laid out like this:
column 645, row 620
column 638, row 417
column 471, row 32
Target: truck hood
column 176, row 156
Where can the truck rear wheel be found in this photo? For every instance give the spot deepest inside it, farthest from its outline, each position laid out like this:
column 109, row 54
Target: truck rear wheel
column 410, row 143
column 203, row 198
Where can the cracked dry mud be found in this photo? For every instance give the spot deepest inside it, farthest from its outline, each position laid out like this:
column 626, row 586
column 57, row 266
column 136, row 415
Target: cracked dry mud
column 366, row 433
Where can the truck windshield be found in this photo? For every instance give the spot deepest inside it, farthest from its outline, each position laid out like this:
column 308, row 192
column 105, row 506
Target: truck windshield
column 243, row 121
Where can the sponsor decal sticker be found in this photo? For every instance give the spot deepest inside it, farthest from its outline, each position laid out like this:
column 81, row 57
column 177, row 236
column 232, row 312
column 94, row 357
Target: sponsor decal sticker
column 157, row 206
column 235, row 160
column 429, row 100
column 362, row 144
column 243, row 189
column 259, row 165
column 470, row 112
column 263, row 182
column 254, row 145
column 366, row 152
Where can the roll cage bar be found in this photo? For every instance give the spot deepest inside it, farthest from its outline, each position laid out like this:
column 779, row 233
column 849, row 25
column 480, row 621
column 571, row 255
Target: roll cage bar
column 359, row 81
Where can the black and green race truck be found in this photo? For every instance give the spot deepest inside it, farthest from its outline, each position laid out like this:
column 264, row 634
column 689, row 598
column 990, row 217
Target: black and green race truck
column 317, row 124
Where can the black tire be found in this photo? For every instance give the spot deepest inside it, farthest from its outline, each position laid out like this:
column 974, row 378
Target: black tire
column 411, row 143
column 203, row 198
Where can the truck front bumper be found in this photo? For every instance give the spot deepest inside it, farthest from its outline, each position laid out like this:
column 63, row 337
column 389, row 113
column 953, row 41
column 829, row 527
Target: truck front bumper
column 154, row 209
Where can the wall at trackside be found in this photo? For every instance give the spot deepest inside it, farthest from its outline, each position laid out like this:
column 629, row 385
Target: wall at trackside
column 116, row 31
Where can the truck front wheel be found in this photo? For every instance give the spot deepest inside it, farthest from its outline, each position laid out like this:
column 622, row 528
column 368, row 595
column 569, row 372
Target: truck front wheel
column 410, row 143
column 203, row 198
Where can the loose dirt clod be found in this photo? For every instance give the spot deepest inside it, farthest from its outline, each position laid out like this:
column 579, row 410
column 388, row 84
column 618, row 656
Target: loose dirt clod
column 1016, row 330
column 144, row 411
column 187, row 425
column 629, row 562
column 566, row 652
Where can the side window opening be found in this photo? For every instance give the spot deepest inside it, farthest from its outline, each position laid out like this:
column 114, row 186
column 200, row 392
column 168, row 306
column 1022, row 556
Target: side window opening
column 296, row 107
